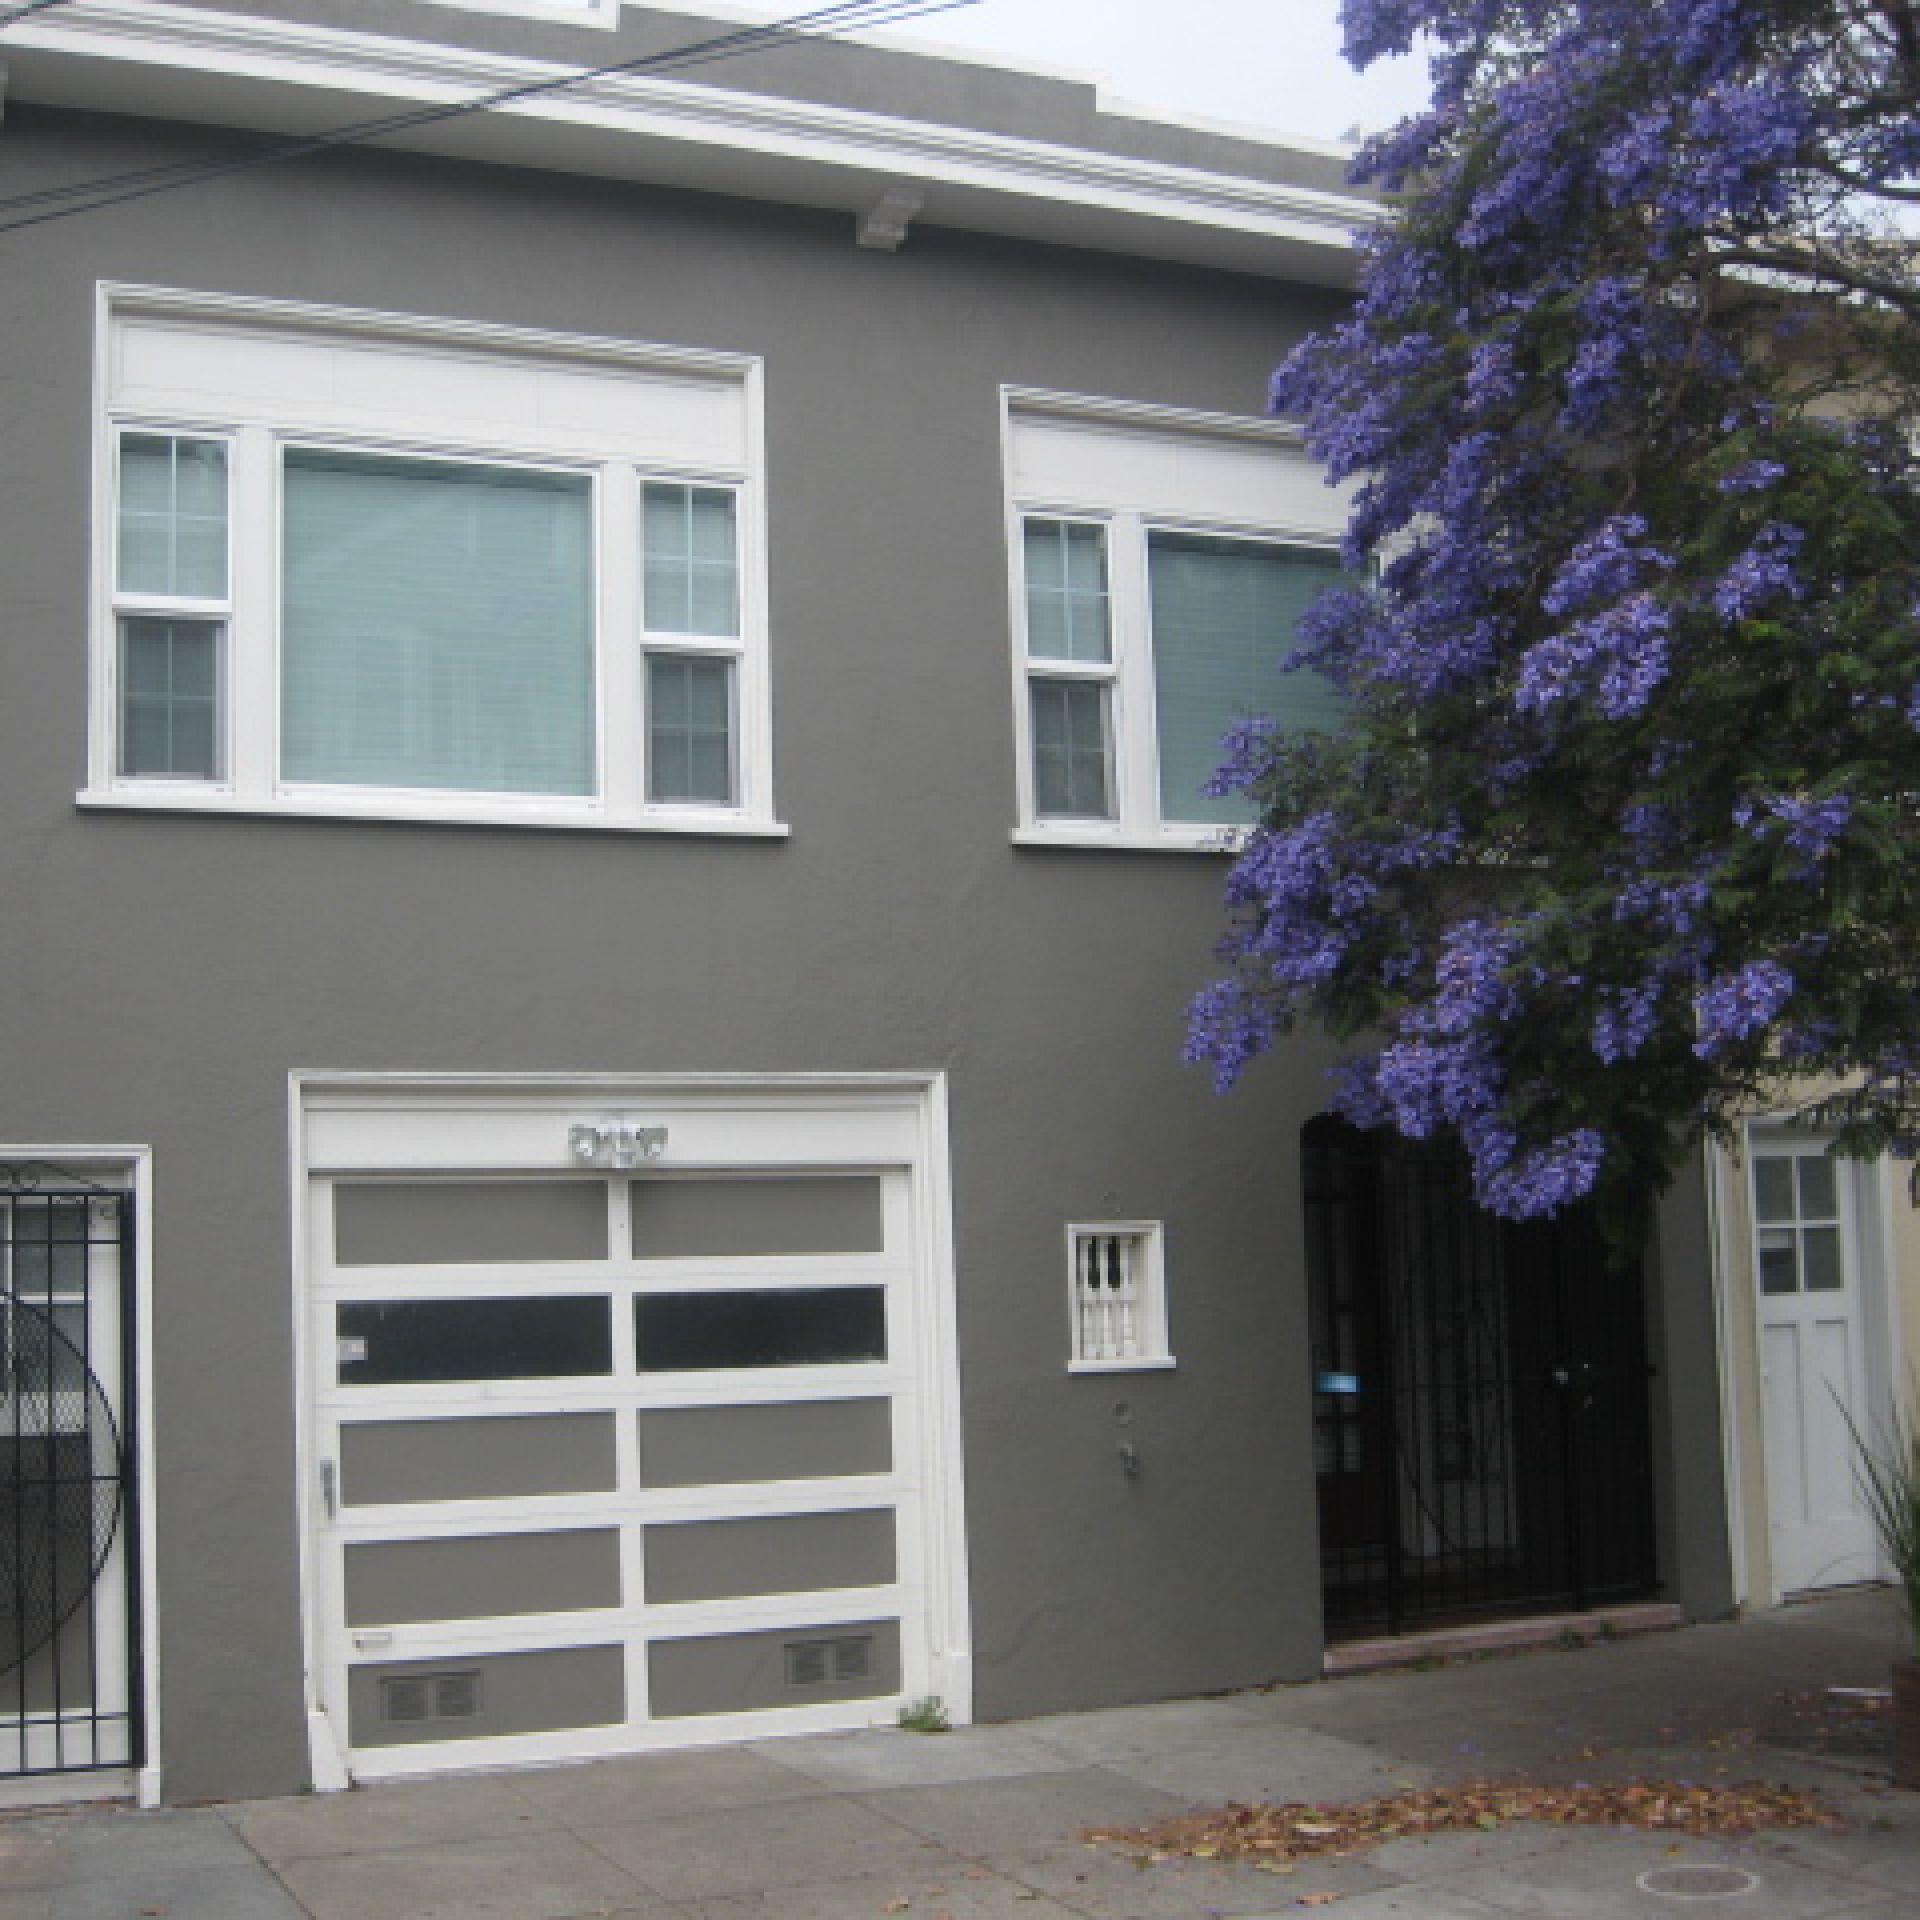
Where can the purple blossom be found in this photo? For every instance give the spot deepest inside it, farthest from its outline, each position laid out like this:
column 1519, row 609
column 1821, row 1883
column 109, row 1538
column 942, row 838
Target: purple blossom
column 1811, row 826
column 1735, row 1006
column 1762, row 575
column 1625, row 1021
column 1753, row 476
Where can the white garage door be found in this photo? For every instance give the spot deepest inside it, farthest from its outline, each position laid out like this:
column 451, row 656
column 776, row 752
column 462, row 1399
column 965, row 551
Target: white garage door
column 615, row 1459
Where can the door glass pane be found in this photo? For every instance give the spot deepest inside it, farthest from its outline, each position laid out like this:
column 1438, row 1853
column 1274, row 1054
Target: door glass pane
column 1773, row 1186
column 1819, row 1189
column 1224, row 618
column 1779, row 1267
column 691, row 560
column 392, row 1342
column 438, row 626
column 1067, row 601
column 689, row 729
column 1070, row 750
column 173, row 517
column 169, row 699
column 1820, row 1251
column 784, row 1327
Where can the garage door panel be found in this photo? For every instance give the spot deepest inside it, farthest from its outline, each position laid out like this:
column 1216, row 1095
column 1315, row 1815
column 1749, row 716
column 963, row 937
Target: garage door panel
column 490, row 1695
column 392, row 1582
column 731, row 1443
column 725, row 1673
column 491, row 1222
column 728, row 1218
column 694, row 1460
column 523, row 1337
column 715, row 1332
column 788, row 1553
column 398, row 1462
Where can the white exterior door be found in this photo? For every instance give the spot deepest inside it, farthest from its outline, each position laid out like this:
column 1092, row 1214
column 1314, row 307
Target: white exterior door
column 610, row 1459
column 1813, row 1363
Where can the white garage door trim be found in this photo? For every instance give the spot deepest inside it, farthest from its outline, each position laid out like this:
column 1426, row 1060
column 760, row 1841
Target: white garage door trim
column 388, row 1124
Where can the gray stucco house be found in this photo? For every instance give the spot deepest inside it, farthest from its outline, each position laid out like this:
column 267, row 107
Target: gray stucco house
column 604, row 708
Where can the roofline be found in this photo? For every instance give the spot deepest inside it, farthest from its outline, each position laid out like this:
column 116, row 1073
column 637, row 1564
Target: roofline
column 191, row 63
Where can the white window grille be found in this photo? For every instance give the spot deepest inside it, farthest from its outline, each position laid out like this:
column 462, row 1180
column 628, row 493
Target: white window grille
column 1117, row 1282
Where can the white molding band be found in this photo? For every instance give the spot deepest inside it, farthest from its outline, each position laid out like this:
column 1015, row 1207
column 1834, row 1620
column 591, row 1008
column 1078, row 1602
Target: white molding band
column 193, row 63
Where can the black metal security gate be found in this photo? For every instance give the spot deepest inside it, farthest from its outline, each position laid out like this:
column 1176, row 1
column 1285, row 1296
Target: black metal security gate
column 1480, row 1397
column 69, row 1639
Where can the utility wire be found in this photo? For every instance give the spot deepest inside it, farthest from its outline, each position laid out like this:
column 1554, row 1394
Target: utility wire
column 20, row 13
column 818, row 23
column 108, row 190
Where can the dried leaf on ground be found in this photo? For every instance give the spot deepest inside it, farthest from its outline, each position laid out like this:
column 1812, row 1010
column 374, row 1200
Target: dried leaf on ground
column 1267, row 1834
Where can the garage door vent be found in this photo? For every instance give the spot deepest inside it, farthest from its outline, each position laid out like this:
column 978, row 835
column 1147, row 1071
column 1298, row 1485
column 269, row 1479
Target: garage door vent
column 820, row 1663
column 408, row 1699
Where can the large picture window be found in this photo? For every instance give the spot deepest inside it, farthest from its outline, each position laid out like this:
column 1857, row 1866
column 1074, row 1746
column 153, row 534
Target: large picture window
column 1163, row 567
column 388, row 567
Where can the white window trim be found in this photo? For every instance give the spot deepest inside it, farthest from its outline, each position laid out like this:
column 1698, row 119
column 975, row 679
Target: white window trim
column 249, row 781
column 1134, row 754
column 1154, row 1355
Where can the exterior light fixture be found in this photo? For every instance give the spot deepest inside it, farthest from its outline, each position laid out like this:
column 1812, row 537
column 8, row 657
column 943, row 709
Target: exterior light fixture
column 617, row 1142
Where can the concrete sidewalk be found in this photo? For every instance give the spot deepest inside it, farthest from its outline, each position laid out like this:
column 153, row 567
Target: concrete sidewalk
column 984, row 1824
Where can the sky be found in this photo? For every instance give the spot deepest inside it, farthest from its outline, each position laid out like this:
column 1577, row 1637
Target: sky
column 1274, row 63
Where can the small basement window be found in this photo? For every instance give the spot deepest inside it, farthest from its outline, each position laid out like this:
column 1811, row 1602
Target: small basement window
column 1117, row 1296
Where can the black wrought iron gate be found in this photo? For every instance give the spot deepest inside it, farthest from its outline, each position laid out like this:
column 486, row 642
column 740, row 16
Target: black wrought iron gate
column 1480, row 1397
column 69, row 1641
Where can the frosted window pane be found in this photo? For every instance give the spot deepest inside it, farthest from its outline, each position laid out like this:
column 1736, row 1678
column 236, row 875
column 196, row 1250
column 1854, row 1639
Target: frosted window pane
column 169, row 699
column 1773, row 1187
column 1224, row 617
column 690, row 545
column 1779, row 1268
column 173, row 517
column 1070, row 750
column 1820, row 1252
column 689, row 729
column 1067, row 606
column 438, row 626
column 1819, row 1194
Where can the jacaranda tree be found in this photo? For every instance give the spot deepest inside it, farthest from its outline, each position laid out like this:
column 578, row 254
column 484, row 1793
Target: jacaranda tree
column 1623, row 835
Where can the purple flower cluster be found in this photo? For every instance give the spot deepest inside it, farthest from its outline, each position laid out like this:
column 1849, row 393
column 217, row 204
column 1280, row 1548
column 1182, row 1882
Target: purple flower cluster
column 1622, row 654
column 1762, row 575
column 1810, row 827
column 1753, row 476
column 1626, row 1021
column 1735, row 1006
column 1577, row 493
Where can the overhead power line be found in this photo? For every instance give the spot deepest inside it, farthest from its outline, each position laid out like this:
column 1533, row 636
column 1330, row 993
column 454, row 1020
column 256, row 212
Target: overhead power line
column 11, row 14
column 109, row 190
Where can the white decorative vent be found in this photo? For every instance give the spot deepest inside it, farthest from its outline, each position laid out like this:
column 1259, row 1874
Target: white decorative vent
column 1117, row 1286
column 413, row 1698
column 822, row 1663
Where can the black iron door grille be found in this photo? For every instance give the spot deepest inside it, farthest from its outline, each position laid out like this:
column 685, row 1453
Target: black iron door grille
column 1480, row 1397
column 70, row 1681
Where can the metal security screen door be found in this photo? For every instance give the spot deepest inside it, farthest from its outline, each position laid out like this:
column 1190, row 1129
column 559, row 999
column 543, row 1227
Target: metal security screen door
column 607, row 1463
column 1480, row 1406
column 69, row 1692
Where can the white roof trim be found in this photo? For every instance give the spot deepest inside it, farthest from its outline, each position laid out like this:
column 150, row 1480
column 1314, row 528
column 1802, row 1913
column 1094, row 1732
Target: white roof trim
column 196, row 64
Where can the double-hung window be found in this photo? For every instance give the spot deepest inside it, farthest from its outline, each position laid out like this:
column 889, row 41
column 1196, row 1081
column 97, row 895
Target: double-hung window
column 364, row 565
column 1162, row 563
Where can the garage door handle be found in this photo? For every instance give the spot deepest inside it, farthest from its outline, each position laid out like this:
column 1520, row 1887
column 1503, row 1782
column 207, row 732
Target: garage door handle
column 330, row 1488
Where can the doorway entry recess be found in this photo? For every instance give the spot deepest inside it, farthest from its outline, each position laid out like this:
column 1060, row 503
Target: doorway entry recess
column 1481, row 1434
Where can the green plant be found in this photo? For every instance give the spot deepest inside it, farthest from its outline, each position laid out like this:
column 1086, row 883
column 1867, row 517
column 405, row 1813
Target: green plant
column 925, row 1716
column 1886, row 1465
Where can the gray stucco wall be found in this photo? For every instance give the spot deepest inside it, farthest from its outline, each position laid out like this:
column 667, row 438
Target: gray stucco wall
column 163, row 975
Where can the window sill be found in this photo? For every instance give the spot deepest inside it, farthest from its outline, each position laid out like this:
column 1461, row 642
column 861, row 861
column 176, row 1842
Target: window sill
column 1214, row 840
column 1165, row 1363
column 403, row 811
